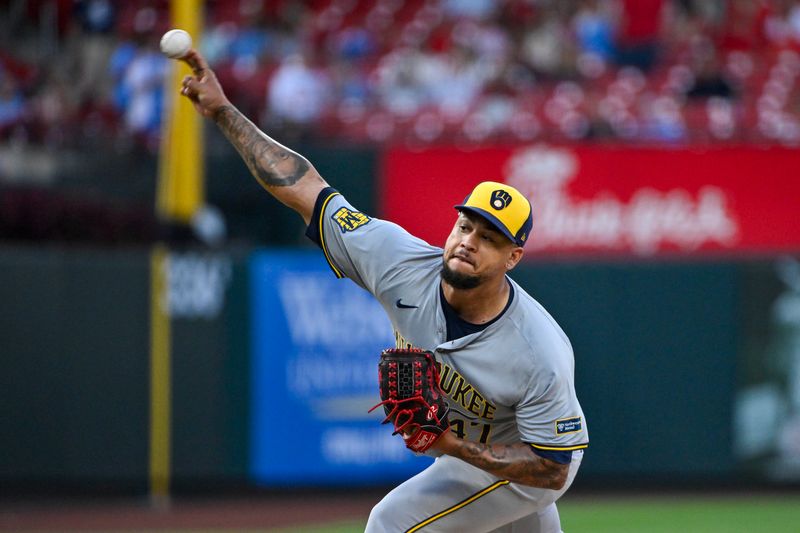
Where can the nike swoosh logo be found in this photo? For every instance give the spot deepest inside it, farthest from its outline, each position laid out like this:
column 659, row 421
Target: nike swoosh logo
column 400, row 305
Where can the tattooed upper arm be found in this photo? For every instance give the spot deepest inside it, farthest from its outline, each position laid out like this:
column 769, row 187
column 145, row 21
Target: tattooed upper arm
column 277, row 168
column 270, row 162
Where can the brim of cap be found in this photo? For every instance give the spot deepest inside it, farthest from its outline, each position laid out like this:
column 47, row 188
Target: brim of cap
column 491, row 218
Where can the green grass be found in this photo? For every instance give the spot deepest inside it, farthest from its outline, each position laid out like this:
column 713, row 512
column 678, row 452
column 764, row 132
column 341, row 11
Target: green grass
column 343, row 527
column 682, row 514
column 583, row 513
column 667, row 514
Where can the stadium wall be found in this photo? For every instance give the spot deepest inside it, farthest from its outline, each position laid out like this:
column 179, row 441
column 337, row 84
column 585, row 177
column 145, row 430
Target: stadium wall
column 669, row 362
column 686, row 361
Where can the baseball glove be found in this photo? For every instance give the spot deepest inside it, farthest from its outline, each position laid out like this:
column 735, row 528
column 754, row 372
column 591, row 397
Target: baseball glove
column 411, row 396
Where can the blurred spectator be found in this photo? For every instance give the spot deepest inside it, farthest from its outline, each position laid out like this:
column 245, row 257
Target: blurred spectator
column 743, row 24
column 55, row 110
column 249, row 42
column 93, row 41
column 708, row 77
column 351, row 90
column 639, row 32
column 546, row 46
column 298, row 94
column 455, row 80
column 138, row 71
column 217, row 41
column 12, row 104
column 593, row 25
column 476, row 9
column 662, row 120
column 782, row 24
column 95, row 16
column 353, row 44
column 397, row 86
column 139, row 93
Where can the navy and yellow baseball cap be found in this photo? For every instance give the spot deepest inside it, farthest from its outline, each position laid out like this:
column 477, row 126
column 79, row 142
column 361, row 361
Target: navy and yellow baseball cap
column 504, row 206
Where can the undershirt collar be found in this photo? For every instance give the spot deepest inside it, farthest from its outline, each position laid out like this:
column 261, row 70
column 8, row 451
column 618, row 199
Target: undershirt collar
column 457, row 327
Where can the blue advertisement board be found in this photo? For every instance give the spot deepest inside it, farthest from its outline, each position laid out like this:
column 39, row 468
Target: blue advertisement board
column 315, row 346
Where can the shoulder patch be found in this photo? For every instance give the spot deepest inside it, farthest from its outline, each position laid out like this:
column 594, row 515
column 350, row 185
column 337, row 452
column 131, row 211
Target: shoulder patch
column 349, row 220
column 569, row 425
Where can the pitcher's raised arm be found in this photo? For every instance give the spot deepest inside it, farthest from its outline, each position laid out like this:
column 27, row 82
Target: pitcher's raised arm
column 285, row 174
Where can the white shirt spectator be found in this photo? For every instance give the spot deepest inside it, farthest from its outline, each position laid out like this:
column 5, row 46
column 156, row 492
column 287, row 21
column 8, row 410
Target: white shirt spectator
column 144, row 79
column 296, row 92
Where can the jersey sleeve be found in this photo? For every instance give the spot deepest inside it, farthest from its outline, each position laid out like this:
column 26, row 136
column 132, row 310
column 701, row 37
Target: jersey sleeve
column 549, row 416
column 365, row 249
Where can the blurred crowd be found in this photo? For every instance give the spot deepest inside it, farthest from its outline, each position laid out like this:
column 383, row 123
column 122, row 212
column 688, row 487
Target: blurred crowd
column 89, row 72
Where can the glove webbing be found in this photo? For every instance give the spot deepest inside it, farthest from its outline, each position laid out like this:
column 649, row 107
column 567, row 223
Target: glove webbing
column 409, row 387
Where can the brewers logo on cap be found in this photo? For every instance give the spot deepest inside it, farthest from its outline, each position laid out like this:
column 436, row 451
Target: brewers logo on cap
column 504, row 206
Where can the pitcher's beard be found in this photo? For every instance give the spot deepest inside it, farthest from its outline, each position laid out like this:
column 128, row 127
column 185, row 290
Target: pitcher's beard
column 458, row 280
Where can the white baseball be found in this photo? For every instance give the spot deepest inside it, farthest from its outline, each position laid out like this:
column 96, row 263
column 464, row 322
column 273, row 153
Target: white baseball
column 176, row 43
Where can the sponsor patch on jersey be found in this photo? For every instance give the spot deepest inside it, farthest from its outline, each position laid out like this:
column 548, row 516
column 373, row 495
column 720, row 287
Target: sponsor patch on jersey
column 568, row 425
column 349, row 220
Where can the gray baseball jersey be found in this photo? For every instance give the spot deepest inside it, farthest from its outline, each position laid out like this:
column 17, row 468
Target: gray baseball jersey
column 509, row 382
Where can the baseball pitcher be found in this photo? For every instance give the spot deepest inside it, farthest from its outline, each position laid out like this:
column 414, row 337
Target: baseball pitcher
column 481, row 375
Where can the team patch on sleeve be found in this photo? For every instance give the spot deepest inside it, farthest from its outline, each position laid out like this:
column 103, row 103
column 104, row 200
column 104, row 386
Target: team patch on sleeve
column 349, row 220
column 569, row 425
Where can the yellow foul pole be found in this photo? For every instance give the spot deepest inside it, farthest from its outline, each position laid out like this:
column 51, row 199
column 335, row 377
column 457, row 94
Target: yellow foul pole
column 160, row 380
column 180, row 192
column 180, row 183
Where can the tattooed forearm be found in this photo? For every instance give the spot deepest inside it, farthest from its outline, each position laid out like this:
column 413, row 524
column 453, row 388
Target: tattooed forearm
column 515, row 462
column 272, row 164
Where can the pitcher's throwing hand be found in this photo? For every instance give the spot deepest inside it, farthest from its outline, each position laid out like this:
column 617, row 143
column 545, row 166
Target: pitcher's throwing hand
column 202, row 88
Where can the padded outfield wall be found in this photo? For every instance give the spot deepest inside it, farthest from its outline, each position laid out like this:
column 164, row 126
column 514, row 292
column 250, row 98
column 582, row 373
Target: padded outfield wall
column 686, row 348
column 685, row 371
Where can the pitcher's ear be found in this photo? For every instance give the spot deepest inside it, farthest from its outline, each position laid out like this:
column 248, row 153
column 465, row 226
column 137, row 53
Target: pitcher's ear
column 514, row 258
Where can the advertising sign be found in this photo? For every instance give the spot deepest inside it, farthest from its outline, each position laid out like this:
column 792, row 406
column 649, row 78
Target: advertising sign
column 315, row 347
column 604, row 200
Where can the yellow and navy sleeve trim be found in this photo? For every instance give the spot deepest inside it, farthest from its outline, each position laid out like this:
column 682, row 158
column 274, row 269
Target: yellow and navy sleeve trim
column 559, row 454
column 316, row 232
column 459, row 505
column 554, row 448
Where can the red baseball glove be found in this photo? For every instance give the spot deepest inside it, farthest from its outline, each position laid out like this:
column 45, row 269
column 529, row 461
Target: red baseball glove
column 411, row 396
